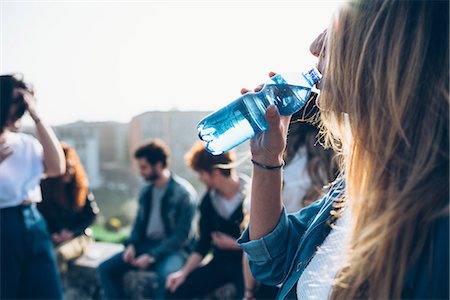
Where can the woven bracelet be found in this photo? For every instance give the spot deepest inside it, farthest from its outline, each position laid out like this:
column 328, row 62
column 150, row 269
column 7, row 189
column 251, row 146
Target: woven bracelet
column 271, row 168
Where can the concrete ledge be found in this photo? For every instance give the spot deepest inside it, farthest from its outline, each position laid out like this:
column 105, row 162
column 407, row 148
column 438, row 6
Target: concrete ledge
column 81, row 282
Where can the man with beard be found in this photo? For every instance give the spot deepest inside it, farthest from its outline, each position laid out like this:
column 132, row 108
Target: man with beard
column 162, row 230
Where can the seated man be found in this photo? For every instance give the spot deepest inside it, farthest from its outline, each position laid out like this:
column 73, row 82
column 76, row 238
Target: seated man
column 161, row 233
column 222, row 218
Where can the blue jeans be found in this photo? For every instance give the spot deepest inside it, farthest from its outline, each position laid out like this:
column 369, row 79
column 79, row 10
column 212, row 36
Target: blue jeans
column 112, row 270
column 28, row 267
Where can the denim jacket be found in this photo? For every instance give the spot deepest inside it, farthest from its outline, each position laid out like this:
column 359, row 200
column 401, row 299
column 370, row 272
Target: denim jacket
column 178, row 207
column 281, row 256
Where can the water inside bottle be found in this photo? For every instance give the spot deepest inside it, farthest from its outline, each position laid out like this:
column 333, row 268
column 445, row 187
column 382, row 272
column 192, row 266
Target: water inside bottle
column 288, row 98
column 245, row 117
column 228, row 127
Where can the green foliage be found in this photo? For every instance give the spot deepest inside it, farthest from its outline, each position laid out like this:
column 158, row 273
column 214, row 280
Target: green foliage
column 101, row 234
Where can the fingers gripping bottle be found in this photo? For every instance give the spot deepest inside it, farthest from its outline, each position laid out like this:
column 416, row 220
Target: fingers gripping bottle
column 245, row 117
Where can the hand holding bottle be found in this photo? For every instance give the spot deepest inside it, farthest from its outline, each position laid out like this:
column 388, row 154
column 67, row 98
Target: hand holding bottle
column 268, row 146
column 246, row 116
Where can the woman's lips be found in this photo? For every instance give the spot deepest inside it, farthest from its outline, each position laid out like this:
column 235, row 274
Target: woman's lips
column 319, row 85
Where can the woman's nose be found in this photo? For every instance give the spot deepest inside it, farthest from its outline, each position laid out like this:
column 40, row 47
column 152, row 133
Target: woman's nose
column 316, row 47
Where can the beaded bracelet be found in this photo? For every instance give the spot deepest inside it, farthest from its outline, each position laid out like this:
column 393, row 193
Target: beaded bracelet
column 271, row 168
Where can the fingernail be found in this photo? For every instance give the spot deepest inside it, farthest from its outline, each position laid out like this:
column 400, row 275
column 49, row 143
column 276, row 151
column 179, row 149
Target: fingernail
column 271, row 110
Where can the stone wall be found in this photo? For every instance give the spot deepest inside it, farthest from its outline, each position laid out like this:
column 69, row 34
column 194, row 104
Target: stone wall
column 81, row 282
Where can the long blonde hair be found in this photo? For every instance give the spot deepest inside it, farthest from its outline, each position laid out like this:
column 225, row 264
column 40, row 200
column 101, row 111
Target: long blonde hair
column 387, row 73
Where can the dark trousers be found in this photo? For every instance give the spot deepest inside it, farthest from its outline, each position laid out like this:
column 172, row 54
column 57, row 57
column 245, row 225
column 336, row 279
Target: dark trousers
column 28, row 268
column 112, row 270
column 265, row 292
column 208, row 278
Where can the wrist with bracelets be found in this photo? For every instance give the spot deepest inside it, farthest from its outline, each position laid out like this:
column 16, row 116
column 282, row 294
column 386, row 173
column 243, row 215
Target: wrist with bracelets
column 267, row 167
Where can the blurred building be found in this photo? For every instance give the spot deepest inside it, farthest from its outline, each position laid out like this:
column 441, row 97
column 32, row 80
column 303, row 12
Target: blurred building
column 100, row 146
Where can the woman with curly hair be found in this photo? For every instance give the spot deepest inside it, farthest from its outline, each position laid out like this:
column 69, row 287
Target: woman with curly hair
column 68, row 209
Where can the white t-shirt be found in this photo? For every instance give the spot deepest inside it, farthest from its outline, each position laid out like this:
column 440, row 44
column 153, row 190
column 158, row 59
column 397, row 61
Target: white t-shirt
column 155, row 226
column 226, row 207
column 296, row 181
column 21, row 172
column 316, row 280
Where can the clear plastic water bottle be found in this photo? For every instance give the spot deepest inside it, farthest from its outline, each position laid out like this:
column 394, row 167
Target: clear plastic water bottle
column 245, row 117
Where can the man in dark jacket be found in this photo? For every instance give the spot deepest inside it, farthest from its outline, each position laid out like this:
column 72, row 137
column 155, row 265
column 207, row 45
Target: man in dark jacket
column 163, row 225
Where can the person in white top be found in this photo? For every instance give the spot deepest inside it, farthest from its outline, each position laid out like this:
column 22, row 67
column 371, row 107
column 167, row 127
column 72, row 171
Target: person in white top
column 309, row 166
column 27, row 262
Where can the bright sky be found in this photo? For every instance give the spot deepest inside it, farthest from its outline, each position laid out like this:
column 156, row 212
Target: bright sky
column 112, row 60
